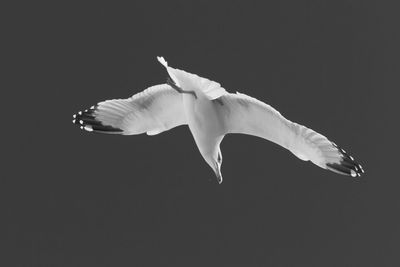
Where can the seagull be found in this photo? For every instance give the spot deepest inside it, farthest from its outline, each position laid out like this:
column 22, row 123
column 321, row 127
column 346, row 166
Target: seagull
column 211, row 113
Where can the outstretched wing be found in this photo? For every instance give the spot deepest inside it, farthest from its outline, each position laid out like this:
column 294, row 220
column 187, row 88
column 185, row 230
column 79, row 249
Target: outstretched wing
column 155, row 110
column 243, row 114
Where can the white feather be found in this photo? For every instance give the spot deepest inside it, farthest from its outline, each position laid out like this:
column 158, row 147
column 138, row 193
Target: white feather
column 247, row 115
column 156, row 109
column 192, row 82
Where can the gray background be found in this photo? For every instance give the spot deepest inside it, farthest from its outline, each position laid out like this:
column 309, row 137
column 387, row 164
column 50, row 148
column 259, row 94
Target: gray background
column 71, row 198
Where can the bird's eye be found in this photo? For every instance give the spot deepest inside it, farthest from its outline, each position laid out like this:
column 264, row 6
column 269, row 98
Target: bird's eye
column 219, row 158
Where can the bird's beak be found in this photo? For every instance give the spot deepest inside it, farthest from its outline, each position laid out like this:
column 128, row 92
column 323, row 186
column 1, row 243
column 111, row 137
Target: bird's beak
column 218, row 175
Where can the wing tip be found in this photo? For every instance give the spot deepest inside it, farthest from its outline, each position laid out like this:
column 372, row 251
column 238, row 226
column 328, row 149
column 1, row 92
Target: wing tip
column 86, row 120
column 347, row 165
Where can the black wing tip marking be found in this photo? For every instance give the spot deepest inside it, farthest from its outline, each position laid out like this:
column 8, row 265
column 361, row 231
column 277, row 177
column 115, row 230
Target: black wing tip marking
column 347, row 165
column 87, row 121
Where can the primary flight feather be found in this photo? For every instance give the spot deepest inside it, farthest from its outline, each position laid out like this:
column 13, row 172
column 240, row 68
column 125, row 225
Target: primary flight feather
column 211, row 113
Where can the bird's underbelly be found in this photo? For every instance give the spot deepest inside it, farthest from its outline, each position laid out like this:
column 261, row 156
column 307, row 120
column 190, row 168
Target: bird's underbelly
column 202, row 119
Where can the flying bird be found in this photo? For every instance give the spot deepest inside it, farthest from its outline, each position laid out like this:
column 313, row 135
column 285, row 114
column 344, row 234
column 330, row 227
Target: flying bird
column 211, row 113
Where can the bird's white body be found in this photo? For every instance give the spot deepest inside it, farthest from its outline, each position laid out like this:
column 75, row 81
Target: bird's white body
column 203, row 122
column 211, row 113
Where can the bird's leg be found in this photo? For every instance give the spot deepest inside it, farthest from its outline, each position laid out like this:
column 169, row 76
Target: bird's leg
column 171, row 83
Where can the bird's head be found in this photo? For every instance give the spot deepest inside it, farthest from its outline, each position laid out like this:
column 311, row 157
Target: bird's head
column 214, row 159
